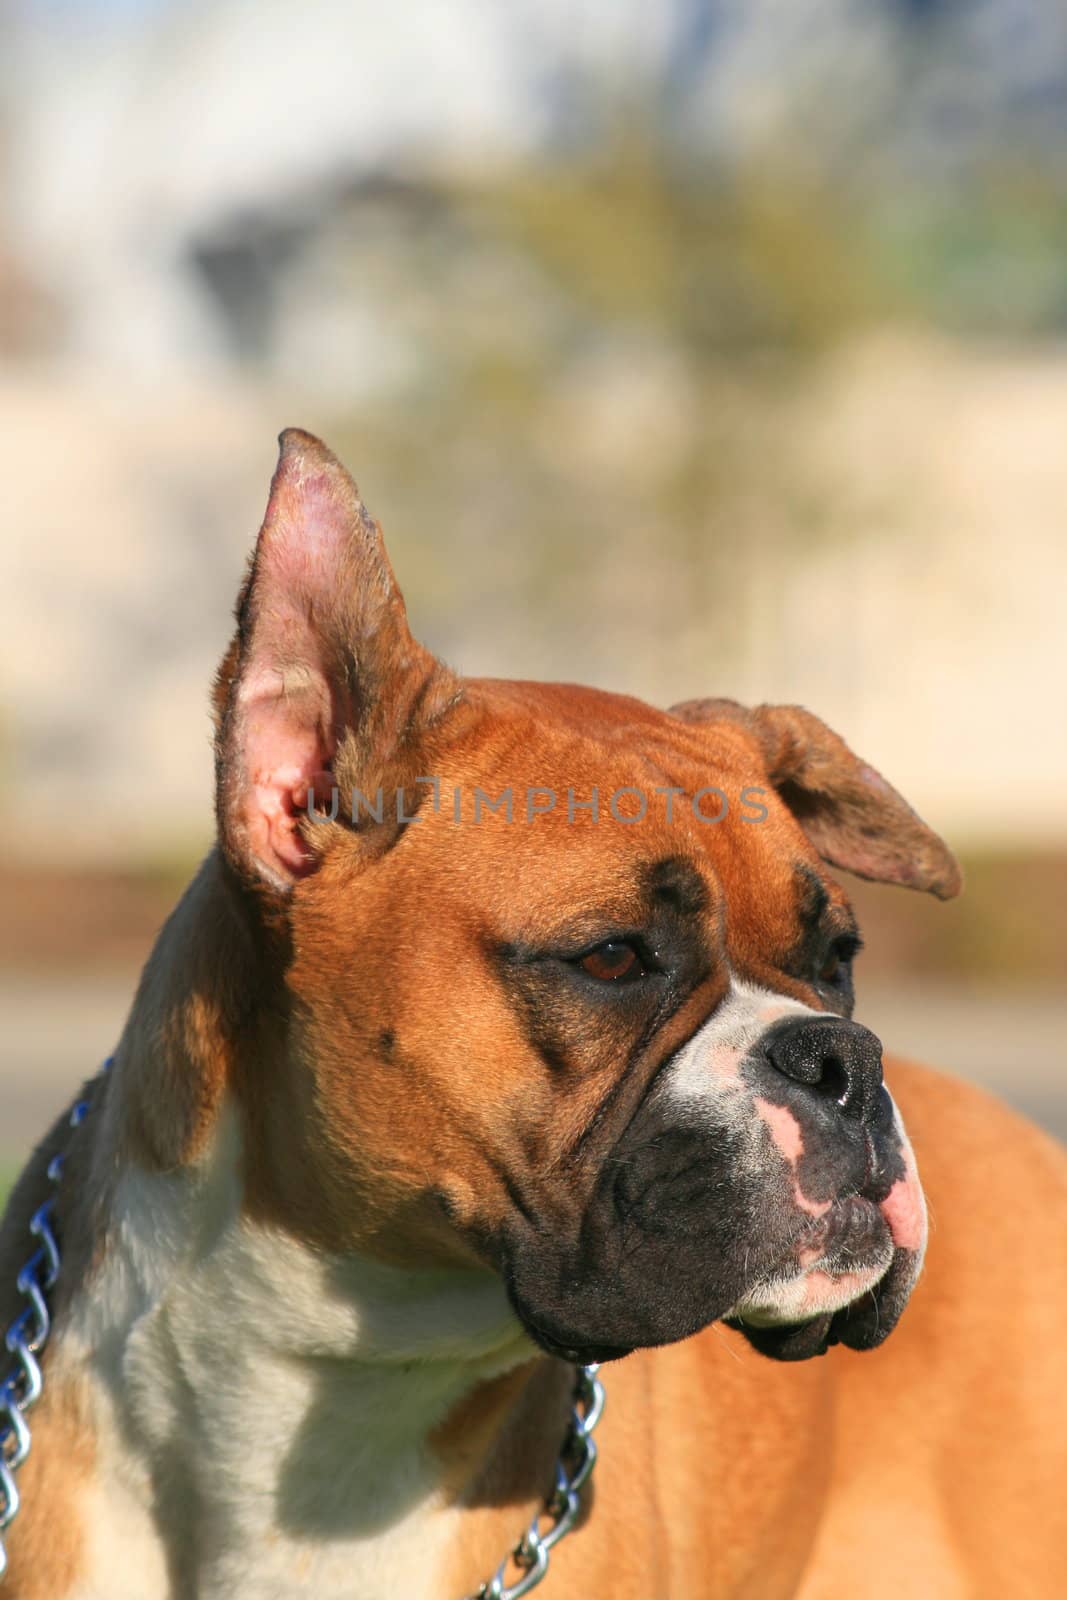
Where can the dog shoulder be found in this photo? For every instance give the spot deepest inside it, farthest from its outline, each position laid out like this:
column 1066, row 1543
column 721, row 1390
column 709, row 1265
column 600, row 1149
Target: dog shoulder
column 995, row 1278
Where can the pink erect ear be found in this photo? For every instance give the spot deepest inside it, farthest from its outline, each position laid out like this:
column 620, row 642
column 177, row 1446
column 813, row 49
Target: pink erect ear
column 853, row 817
column 322, row 661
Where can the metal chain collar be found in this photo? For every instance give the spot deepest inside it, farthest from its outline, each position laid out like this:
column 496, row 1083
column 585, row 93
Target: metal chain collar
column 25, row 1339
column 22, row 1388
column 576, row 1461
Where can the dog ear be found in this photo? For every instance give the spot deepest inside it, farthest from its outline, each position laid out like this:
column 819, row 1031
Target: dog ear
column 322, row 675
column 853, row 817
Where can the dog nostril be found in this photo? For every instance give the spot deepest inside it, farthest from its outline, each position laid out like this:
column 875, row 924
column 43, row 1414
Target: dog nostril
column 839, row 1061
column 833, row 1079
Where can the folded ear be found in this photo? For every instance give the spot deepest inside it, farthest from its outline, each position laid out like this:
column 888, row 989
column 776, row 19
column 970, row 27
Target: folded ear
column 322, row 666
column 853, row 817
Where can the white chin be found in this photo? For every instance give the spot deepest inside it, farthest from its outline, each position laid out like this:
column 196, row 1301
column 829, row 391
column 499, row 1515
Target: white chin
column 810, row 1293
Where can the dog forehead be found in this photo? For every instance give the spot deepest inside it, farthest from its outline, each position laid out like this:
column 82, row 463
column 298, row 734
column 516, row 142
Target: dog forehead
column 765, row 882
column 552, row 800
column 613, row 720
column 568, row 735
column 574, row 741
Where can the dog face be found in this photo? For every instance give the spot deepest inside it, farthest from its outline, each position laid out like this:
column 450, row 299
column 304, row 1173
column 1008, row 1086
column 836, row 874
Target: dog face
column 571, row 997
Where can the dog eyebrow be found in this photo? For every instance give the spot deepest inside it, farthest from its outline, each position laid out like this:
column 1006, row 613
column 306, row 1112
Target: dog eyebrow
column 817, row 912
column 813, row 897
column 675, row 882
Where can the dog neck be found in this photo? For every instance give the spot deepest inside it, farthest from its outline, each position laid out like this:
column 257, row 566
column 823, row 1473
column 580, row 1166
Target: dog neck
column 287, row 1416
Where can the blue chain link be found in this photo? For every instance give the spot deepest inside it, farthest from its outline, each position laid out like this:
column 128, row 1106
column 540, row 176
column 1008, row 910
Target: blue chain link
column 26, row 1339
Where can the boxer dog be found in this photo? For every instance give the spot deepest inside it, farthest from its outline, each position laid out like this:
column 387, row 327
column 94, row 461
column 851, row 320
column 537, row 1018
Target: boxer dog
column 508, row 1028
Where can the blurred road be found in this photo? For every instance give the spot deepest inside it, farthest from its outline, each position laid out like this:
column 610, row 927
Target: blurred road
column 57, row 1031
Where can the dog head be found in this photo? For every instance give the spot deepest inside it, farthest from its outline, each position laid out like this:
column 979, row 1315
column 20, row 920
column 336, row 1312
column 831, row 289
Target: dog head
column 565, row 982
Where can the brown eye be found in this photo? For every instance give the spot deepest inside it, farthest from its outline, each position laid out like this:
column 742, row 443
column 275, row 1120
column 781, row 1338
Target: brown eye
column 831, row 970
column 614, row 962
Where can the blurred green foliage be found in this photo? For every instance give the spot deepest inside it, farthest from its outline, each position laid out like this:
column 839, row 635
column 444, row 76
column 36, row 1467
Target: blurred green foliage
column 610, row 359
column 766, row 261
column 617, row 352
column 986, row 261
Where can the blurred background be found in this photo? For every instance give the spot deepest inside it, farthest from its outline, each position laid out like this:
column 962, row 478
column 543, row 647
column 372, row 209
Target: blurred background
column 716, row 346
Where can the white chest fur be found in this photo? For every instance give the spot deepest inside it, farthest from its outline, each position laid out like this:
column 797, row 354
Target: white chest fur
column 263, row 1412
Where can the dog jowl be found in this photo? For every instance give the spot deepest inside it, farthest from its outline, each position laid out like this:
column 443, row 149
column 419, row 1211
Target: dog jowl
column 609, row 1056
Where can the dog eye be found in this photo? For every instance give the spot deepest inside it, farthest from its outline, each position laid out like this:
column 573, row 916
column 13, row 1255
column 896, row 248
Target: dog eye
column 836, row 970
column 615, row 961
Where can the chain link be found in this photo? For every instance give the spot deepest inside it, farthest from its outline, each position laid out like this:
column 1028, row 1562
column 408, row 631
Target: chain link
column 26, row 1339
column 529, row 1558
column 21, row 1389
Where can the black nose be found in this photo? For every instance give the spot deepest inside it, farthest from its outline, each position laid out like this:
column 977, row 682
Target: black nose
column 839, row 1059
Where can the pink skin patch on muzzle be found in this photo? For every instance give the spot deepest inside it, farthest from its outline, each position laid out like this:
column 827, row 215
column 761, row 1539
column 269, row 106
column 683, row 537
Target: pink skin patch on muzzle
column 818, row 1287
column 904, row 1208
column 788, row 1138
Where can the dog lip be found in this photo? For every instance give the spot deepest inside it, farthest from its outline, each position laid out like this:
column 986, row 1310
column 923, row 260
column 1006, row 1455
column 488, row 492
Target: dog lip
column 789, row 1341
column 563, row 1344
column 853, row 1238
column 852, row 1230
column 579, row 1354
